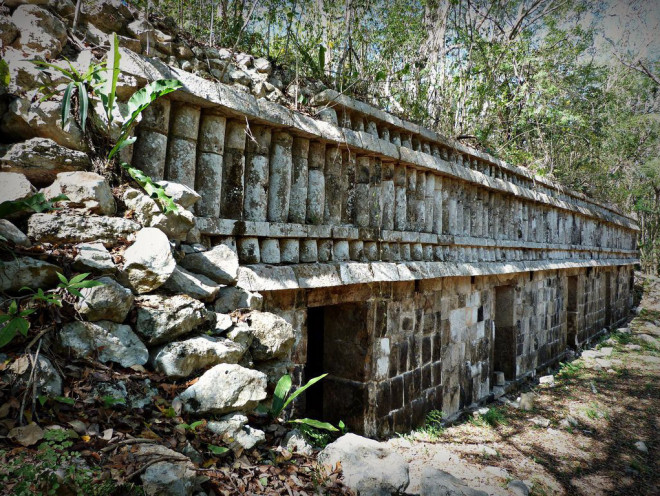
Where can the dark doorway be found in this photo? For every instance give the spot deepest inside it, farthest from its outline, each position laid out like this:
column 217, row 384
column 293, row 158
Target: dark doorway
column 572, row 311
column 504, row 347
column 337, row 344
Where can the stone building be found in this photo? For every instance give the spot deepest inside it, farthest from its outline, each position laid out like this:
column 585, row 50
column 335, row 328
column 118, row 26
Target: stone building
column 411, row 267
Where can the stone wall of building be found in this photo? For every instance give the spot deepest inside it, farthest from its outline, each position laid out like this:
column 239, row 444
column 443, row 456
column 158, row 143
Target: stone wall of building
column 397, row 350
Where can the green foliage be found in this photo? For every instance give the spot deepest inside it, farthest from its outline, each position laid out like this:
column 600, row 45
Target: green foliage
column 54, row 469
column 110, row 401
column 5, row 77
column 79, row 83
column 316, row 424
column 35, row 203
column 569, row 370
column 76, row 283
column 217, row 450
column 282, row 398
column 154, row 190
column 493, row 417
column 14, row 322
column 433, row 427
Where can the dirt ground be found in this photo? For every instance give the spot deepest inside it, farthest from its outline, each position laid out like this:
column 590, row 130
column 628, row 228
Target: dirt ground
column 580, row 436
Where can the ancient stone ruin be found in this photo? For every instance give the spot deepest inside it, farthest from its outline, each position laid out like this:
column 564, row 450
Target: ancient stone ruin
column 418, row 273
column 412, row 268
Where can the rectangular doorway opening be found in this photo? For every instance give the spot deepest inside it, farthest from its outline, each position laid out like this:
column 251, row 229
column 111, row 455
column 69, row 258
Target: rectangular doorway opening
column 337, row 344
column 572, row 311
column 504, row 346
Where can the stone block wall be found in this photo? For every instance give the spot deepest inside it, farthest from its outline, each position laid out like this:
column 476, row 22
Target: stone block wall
column 410, row 266
column 401, row 349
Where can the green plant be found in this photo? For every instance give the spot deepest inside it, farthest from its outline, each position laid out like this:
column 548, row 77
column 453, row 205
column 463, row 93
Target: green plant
column 76, row 283
column 433, row 427
column 110, row 401
column 493, row 417
column 53, row 469
column 282, row 398
column 138, row 102
column 569, row 370
column 35, row 203
column 15, row 322
column 81, row 84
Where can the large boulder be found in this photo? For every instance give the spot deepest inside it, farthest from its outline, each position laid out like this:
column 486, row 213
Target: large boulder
column 85, row 189
column 225, row 388
column 40, row 31
column 26, row 271
column 235, row 432
column 194, row 285
column 174, row 475
column 24, row 76
column 436, row 482
column 41, row 159
column 219, row 263
column 175, row 224
column 8, row 31
column 273, row 336
column 93, row 257
column 14, row 186
column 148, row 263
column 369, row 467
column 161, row 319
column 25, row 119
column 13, row 234
column 182, row 358
column 48, row 380
column 66, row 228
column 111, row 301
column 108, row 341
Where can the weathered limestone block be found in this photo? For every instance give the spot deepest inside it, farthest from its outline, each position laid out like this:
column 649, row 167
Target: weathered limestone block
column 340, row 251
column 225, row 388
column 40, row 31
column 26, row 271
column 40, row 159
column 161, row 319
column 232, row 297
column 376, row 193
column 256, row 174
column 25, row 119
column 273, row 337
column 105, row 340
column 333, row 186
column 362, row 199
column 15, row 186
column 108, row 15
column 248, row 250
column 429, row 202
column 289, row 250
column 220, row 264
column 93, row 257
column 150, row 149
column 348, row 187
column 181, row 194
column 281, row 165
column 437, row 206
column 270, row 251
column 194, row 285
column 111, row 301
column 182, row 144
column 369, row 467
column 236, row 433
column 308, row 251
column 65, row 228
column 182, row 358
column 388, row 195
column 316, row 183
column 148, row 263
column 299, row 181
column 87, row 189
column 233, row 171
column 13, row 234
column 400, row 199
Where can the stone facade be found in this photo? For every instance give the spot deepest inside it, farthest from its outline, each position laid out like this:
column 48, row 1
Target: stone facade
column 410, row 266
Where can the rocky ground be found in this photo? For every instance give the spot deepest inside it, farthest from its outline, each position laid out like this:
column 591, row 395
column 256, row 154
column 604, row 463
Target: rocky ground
column 593, row 429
